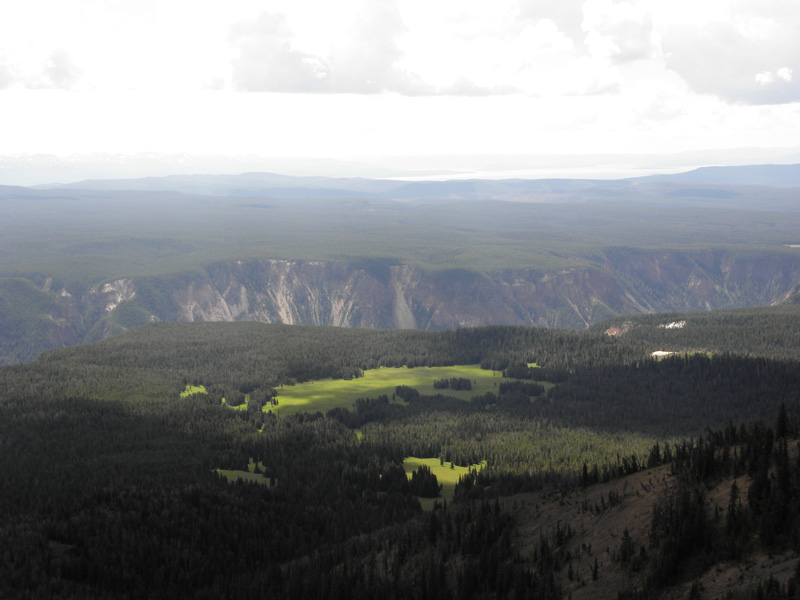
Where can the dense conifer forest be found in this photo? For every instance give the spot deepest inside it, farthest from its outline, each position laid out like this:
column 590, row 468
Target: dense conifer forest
column 112, row 484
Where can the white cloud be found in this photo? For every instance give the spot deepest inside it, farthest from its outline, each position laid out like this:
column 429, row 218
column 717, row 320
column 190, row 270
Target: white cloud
column 267, row 61
column 60, row 71
column 361, row 59
column 7, row 75
column 358, row 76
column 663, row 107
column 512, row 48
column 782, row 74
column 619, row 31
column 741, row 51
column 732, row 53
column 765, row 77
column 566, row 14
column 57, row 70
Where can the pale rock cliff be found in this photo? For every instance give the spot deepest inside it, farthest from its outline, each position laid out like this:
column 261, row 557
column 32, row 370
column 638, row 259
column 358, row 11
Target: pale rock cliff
column 624, row 281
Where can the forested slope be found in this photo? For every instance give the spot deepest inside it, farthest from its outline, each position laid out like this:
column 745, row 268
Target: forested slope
column 761, row 331
column 110, row 486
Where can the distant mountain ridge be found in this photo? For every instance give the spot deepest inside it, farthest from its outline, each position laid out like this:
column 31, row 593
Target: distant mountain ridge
column 771, row 175
column 659, row 188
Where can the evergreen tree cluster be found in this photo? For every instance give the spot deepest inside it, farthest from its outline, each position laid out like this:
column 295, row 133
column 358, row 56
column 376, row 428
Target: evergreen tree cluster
column 424, row 483
column 687, row 536
column 454, row 383
column 111, row 489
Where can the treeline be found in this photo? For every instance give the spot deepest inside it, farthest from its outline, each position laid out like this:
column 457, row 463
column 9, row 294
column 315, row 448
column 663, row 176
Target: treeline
column 765, row 331
column 110, row 488
column 454, row 383
column 761, row 514
column 675, row 396
column 237, row 358
column 680, row 395
column 104, row 499
column 465, row 552
column 107, row 526
column 163, row 357
column 98, row 494
column 506, row 442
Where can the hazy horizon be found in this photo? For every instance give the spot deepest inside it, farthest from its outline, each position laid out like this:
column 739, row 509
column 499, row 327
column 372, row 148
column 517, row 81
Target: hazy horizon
column 48, row 169
column 380, row 88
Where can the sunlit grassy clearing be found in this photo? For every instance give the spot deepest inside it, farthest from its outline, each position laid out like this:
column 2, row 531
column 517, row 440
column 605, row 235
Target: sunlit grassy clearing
column 193, row 389
column 200, row 389
column 251, row 466
column 326, row 394
column 232, row 476
column 448, row 475
column 252, row 473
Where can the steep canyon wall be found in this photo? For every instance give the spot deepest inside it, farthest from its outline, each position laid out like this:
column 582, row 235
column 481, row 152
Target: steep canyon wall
column 34, row 316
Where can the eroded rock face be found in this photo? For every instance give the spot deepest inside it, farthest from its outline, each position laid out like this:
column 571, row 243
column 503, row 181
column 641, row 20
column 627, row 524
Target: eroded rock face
column 108, row 296
column 297, row 293
column 317, row 293
column 401, row 296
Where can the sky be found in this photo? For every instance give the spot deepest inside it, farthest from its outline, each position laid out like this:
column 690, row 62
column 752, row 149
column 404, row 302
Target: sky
column 361, row 80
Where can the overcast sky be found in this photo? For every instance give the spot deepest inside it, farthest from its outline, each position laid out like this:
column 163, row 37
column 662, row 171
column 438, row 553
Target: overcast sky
column 369, row 78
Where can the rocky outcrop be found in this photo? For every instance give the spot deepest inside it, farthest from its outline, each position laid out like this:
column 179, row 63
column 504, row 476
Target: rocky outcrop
column 623, row 281
column 109, row 295
column 629, row 281
column 679, row 280
column 317, row 293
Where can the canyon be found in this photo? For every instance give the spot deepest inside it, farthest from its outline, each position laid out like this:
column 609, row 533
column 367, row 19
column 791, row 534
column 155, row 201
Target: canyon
column 37, row 316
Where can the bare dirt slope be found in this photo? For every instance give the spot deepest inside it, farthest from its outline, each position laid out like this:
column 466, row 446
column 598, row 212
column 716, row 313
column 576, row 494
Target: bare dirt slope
column 600, row 514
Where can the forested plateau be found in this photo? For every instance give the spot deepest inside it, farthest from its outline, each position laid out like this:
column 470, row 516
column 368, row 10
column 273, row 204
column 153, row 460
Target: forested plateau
column 604, row 472
column 82, row 264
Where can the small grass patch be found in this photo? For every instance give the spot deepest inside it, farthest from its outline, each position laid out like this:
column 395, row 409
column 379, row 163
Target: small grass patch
column 251, row 466
column 325, row 394
column 242, row 406
column 233, row 475
column 193, row 389
column 447, row 473
column 253, row 473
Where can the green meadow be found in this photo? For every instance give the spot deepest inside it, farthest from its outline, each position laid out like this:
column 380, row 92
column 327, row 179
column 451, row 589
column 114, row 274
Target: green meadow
column 193, row 389
column 234, row 475
column 447, row 473
column 200, row 389
column 253, row 474
column 326, row 394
